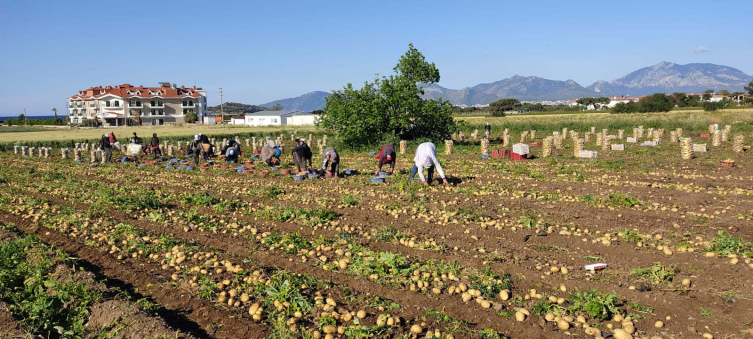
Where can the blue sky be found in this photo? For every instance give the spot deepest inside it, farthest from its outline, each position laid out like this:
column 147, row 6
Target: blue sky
column 262, row 51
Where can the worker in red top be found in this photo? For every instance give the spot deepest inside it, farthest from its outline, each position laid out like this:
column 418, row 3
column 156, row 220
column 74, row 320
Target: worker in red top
column 387, row 156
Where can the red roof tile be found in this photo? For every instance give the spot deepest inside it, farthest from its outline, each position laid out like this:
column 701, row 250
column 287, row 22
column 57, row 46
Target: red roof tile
column 122, row 91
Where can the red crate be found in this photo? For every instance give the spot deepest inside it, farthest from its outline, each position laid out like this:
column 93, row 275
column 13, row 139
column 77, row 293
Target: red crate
column 500, row 153
column 535, row 144
column 516, row 156
column 705, row 135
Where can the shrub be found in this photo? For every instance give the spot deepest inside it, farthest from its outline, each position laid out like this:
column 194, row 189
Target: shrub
column 712, row 106
column 190, row 118
column 657, row 102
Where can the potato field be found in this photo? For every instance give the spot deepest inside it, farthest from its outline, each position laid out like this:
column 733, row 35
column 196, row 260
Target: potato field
column 124, row 251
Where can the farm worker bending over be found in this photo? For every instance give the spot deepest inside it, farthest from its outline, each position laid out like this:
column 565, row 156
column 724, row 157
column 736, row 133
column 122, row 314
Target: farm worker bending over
column 232, row 144
column 154, row 145
column 387, row 156
column 488, row 130
column 426, row 156
column 104, row 145
column 232, row 153
column 301, row 155
column 270, row 154
column 196, row 148
column 331, row 157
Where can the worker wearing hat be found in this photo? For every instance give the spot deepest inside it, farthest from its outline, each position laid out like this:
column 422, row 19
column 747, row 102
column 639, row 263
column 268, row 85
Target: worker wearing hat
column 387, row 156
column 195, row 147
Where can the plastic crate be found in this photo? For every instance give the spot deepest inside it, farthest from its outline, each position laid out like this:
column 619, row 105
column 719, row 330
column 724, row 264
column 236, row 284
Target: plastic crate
column 500, row 153
column 516, row 156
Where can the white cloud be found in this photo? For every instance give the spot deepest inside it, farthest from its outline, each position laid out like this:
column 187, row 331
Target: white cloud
column 701, row 49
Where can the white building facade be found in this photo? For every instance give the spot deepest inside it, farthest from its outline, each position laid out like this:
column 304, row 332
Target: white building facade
column 280, row 118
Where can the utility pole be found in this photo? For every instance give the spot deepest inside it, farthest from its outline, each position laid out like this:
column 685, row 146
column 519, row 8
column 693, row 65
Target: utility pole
column 222, row 110
column 25, row 117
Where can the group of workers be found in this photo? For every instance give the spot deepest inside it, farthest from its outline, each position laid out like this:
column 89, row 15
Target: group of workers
column 108, row 142
column 201, row 148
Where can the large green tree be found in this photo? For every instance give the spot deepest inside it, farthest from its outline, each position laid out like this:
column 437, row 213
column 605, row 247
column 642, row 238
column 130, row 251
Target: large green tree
column 499, row 107
column 749, row 88
column 680, row 99
column 390, row 107
column 658, row 102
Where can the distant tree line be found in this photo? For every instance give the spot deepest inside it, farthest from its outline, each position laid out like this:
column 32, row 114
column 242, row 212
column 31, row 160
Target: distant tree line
column 234, row 108
column 21, row 121
column 658, row 102
column 595, row 102
column 499, row 107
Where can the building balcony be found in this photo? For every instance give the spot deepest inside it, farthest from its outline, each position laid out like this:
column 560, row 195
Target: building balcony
column 187, row 106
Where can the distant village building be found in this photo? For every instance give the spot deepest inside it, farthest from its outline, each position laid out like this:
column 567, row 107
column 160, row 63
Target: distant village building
column 130, row 105
column 238, row 120
column 279, row 118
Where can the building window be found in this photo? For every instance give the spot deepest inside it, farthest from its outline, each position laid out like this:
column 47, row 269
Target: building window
column 157, row 103
column 157, row 111
column 116, row 103
column 107, row 104
column 187, row 110
column 274, row 121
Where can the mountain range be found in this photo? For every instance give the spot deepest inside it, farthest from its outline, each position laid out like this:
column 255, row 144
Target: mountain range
column 664, row 77
column 308, row 102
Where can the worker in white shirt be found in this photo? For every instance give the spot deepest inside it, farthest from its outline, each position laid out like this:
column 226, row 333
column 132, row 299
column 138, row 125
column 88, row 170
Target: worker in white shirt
column 426, row 156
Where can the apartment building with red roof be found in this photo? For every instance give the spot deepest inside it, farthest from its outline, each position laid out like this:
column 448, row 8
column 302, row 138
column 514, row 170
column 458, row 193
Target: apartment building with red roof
column 129, row 105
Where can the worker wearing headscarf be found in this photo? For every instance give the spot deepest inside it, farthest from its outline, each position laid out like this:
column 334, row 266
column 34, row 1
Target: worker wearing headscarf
column 232, row 152
column 268, row 153
column 331, row 157
column 387, row 156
